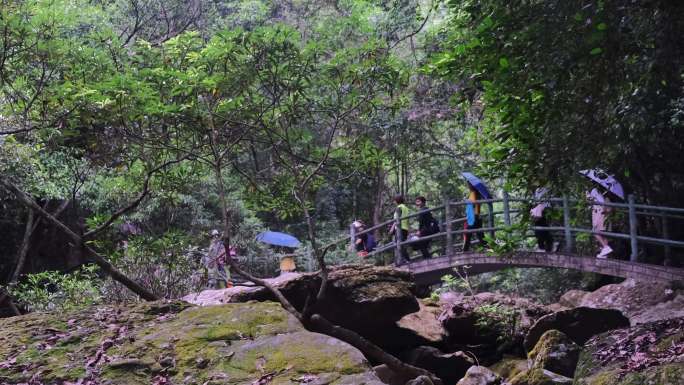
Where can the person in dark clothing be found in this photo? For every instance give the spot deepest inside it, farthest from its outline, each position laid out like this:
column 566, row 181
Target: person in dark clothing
column 364, row 243
column 544, row 237
column 426, row 226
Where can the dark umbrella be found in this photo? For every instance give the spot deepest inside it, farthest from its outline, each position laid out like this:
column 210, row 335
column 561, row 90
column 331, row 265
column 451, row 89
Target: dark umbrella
column 606, row 181
column 478, row 184
column 278, row 239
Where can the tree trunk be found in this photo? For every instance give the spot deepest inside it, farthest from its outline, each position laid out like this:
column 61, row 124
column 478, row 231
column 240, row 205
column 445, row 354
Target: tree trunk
column 105, row 265
column 378, row 201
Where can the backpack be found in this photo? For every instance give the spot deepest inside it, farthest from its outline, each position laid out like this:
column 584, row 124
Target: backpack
column 433, row 227
column 370, row 242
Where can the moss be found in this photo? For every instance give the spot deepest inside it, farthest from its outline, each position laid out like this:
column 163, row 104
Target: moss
column 547, row 341
column 669, row 374
column 207, row 344
column 294, row 354
column 509, row 367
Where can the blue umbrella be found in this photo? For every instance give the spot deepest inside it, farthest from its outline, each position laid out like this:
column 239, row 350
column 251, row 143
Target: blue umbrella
column 478, row 184
column 278, row 239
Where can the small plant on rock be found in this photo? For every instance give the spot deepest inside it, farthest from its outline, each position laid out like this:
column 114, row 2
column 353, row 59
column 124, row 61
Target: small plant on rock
column 56, row 291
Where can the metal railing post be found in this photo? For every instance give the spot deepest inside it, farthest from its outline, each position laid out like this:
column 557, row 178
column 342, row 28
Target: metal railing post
column 397, row 237
column 507, row 211
column 490, row 217
column 447, row 228
column 666, row 235
column 352, row 237
column 632, row 229
column 566, row 225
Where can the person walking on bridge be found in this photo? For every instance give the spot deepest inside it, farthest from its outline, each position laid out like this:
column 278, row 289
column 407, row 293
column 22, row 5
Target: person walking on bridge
column 401, row 233
column 599, row 221
column 427, row 225
column 473, row 220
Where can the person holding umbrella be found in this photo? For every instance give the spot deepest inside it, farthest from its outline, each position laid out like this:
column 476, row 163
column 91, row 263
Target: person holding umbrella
column 477, row 190
column 607, row 186
column 275, row 238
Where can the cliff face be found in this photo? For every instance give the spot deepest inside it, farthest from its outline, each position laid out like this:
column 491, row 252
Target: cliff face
column 174, row 343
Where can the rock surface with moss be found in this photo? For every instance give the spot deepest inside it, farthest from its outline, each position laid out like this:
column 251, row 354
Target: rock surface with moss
column 580, row 324
column 509, row 367
column 175, row 342
column 646, row 354
column 555, row 352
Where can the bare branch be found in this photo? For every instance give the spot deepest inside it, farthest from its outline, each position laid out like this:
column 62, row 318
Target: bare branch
column 135, row 202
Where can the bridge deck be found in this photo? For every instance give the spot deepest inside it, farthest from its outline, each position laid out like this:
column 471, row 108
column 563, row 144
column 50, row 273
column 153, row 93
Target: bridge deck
column 430, row 271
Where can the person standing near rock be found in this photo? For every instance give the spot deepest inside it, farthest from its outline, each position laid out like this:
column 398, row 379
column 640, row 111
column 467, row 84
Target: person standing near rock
column 214, row 263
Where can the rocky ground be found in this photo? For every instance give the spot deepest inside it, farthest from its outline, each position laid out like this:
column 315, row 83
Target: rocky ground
column 624, row 334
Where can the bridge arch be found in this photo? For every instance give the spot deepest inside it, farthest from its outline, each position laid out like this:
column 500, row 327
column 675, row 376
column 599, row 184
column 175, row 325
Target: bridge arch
column 430, row 271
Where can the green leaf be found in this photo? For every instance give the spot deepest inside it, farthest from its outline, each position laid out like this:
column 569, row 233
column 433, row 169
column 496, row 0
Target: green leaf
column 596, row 51
column 503, row 63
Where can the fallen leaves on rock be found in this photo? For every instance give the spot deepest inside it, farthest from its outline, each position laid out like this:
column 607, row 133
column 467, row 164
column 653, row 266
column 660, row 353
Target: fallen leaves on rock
column 638, row 347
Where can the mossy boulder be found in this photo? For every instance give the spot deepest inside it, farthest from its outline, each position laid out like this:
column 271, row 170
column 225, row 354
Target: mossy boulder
column 580, row 324
column 174, row 342
column 509, row 367
column 538, row 376
column 358, row 296
column 555, row 352
column 364, row 298
column 646, row 354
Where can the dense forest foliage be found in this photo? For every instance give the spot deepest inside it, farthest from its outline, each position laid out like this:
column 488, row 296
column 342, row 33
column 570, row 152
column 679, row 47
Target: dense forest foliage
column 131, row 128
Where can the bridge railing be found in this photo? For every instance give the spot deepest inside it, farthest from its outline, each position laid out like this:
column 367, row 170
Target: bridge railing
column 505, row 216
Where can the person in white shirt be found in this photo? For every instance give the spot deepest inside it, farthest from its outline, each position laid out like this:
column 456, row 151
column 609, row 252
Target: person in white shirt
column 599, row 220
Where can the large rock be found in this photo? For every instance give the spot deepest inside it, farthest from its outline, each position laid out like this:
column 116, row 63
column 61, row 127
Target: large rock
column 489, row 324
column 425, row 324
column 572, row 298
column 479, row 375
column 645, row 354
column 673, row 308
column 421, row 380
column 635, row 299
column 164, row 343
column 579, row 324
column 555, row 352
column 449, row 367
column 359, row 297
